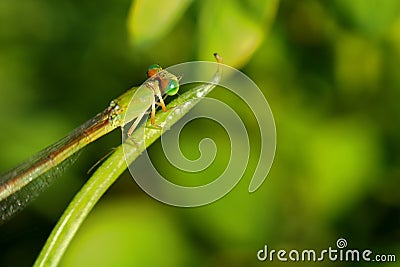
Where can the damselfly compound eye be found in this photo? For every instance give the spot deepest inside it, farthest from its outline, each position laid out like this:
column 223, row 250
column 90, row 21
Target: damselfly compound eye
column 172, row 87
column 153, row 69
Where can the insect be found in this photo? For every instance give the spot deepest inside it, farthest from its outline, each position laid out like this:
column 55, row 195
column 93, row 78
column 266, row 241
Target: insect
column 23, row 183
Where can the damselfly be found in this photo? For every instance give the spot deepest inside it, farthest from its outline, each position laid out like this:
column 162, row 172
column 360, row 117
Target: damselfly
column 23, row 183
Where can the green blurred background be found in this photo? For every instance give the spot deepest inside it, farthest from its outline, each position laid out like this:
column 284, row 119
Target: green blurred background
column 329, row 70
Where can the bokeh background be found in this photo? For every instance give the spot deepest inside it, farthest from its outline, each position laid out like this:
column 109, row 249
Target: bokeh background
column 329, row 70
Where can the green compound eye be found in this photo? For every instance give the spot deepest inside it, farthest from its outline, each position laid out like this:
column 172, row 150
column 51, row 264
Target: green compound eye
column 153, row 69
column 172, row 87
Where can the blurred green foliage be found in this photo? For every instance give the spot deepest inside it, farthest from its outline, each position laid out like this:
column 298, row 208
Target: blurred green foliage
column 329, row 70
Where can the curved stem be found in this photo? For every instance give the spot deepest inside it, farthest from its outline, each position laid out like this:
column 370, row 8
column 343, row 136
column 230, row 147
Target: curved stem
column 109, row 172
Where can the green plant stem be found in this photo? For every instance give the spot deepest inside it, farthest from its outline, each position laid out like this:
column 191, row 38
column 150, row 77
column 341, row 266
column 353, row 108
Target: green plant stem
column 108, row 173
column 80, row 207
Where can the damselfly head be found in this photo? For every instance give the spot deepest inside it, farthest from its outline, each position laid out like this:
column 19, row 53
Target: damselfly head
column 169, row 83
column 153, row 69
